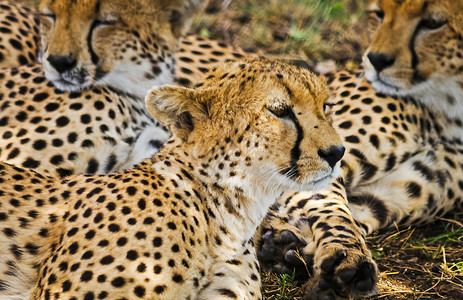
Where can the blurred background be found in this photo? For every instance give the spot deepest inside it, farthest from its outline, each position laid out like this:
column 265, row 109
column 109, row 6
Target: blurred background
column 315, row 30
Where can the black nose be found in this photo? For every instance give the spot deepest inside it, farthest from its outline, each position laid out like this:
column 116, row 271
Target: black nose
column 380, row 61
column 62, row 63
column 332, row 155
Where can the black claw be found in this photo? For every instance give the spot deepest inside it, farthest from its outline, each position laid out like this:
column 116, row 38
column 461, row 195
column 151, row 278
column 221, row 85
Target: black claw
column 364, row 285
column 365, row 275
column 292, row 258
column 328, row 297
column 287, row 237
column 347, row 275
column 329, row 264
column 323, row 284
column 286, row 270
column 267, row 244
column 267, row 235
column 307, row 296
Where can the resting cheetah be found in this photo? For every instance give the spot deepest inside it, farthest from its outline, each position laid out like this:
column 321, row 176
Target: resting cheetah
column 176, row 226
column 105, row 128
column 403, row 159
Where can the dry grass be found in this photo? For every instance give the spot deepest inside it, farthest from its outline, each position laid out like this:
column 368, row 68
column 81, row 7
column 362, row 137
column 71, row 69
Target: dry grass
column 315, row 29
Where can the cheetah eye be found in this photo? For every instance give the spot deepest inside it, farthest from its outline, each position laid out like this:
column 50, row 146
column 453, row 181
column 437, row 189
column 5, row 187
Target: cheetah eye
column 101, row 23
column 50, row 16
column 377, row 13
column 432, row 23
column 281, row 111
column 106, row 19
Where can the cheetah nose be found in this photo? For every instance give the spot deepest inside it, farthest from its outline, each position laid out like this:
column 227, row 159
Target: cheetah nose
column 332, row 155
column 380, row 61
column 62, row 63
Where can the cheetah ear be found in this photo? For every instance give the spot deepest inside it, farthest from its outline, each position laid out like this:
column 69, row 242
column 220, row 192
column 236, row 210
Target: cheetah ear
column 175, row 107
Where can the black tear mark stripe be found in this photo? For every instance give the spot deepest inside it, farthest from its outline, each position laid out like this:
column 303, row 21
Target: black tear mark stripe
column 93, row 55
column 417, row 78
column 95, row 23
column 292, row 170
column 296, row 151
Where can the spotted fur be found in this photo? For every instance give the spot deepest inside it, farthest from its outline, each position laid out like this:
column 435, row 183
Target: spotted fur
column 177, row 226
column 19, row 34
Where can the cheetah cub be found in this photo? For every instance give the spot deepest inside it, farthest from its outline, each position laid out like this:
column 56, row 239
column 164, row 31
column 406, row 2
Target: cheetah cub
column 179, row 225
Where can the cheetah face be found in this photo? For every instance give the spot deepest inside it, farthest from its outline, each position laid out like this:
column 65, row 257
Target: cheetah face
column 416, row 46
column 257, row 123
column 128, row 45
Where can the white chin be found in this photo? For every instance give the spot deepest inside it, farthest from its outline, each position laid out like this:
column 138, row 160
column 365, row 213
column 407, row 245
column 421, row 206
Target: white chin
column 69, row 87
column 322, row 182
column 385, row 88
column 381, row 86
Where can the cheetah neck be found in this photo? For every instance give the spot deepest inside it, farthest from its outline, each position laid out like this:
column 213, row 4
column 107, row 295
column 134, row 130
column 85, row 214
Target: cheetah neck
column 442, row 94
column 238, row 203
column 127, row 78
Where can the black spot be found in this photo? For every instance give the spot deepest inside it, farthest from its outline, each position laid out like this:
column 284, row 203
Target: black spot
column 114, row 228
column 92, row 166
column 157, row 242
column 227, row 293
column 66, row 286
column 107, row 260
column 413, row 189
column 131, row 190
column 118, row 282
column 139, row 291
column 345, row 125
column 132, row 255
column 30, row 163
column 86, row 276
column 352, row 139
column 160, row 289
column 62, row 121
column 177, row 278
column 51, row 107
column 57, row 159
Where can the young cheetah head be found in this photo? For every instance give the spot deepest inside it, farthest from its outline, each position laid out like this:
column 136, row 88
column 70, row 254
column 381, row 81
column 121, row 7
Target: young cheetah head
column 255, row 122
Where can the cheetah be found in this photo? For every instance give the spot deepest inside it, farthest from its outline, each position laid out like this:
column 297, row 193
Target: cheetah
column 401, row 122
column 178, row 225
column 20, row 40
column 102, row 128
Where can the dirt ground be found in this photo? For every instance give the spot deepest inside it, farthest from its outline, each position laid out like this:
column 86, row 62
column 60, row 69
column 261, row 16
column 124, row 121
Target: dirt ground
column 415, row 263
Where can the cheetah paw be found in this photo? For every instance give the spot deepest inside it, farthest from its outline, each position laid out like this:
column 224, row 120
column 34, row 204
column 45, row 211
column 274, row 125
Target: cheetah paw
column 343, row 274
column 281, row 252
